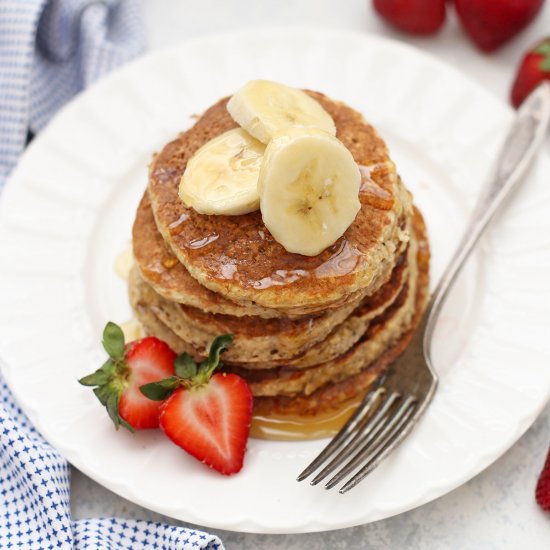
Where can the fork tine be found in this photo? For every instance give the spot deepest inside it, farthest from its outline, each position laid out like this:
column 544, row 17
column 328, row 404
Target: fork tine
column 388, row 428
column 345, row 432
column 397, row 434
column 365, row 434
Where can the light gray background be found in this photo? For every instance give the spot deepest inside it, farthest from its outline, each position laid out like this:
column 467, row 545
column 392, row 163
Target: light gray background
column 497, row 508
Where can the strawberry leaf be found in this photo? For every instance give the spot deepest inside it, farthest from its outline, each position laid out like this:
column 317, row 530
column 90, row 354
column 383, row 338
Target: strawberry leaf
column 204, row 367
column 185, row 366
column 125, row 424
column 113, row 341
column 543, row 49
column 187, row 373
column 159, row 391
column 109, row 396
column 218, row 345
column 102, row 393
column 112, row 407
column 97, row 378
column 101, row 376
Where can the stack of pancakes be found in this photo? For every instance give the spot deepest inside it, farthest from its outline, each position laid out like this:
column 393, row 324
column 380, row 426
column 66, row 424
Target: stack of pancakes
column 310, row 332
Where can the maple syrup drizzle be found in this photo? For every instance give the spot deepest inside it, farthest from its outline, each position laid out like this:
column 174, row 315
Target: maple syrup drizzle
column 300, row 428
column 370, row 192
column 344, row 260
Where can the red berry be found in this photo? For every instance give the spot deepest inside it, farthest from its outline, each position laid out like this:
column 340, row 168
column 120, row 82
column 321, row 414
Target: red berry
column 533, row 69
column 413, row 16
column 148, row 360
column 118, row 381
column 491, row 23
column 211, row 422
column 206, row 415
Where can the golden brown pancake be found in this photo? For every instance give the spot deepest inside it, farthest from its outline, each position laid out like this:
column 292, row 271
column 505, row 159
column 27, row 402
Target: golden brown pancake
column 169, row 278
column 287, row 390
column 335, row 393
column 349, row 376
column 237, row 257
column 383, row 331
column 256, row 339
column 153, row 326
column 299, row 342
column 310, row 332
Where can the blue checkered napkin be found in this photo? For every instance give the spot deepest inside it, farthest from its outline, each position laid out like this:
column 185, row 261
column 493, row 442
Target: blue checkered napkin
column 34, row 500
column 49, row 51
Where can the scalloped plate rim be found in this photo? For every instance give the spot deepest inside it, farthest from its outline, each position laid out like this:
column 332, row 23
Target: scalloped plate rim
column 249, row 525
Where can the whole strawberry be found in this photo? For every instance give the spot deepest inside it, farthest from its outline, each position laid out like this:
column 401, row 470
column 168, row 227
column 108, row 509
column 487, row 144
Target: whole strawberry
column 491, row 23
column 543, row 486
column 533, row 69
column 130, row 366
column 413, row 16
column 208, row 415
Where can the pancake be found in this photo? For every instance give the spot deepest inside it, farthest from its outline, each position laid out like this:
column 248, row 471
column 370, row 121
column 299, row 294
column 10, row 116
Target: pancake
column 255, row 339
column 326, row 386
column 153, row 326
column 271, row 342
column 170, row 279
column 383, row 331
column 237, row 257
column 350, row 331
column 334, row 394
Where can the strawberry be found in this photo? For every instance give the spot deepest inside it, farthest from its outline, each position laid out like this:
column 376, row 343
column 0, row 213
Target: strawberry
column 413, row 16
column 491, row 23
column 533, row 69
column 130, row 366
column 208, row 415
column 542, row 493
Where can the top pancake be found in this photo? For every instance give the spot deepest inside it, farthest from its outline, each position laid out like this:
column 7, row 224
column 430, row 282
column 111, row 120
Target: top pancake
column 237, row 257
column 162, row 270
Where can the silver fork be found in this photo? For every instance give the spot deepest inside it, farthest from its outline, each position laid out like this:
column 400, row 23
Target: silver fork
column 391, row 409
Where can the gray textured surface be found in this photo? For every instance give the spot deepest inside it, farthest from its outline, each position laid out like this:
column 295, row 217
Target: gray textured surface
column 495, row 510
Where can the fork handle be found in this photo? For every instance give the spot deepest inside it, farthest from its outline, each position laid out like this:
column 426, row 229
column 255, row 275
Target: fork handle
column 516, row 156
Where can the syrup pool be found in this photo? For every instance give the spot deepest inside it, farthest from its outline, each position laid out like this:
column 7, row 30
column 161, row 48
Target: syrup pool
column 300, row 428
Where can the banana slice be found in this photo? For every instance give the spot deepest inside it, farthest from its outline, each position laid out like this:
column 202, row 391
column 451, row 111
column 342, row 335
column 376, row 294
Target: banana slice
column 309, row 190
column 222, row 176
column 264, row 108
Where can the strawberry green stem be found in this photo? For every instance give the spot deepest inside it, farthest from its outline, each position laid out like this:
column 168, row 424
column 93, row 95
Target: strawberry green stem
column 188, row 374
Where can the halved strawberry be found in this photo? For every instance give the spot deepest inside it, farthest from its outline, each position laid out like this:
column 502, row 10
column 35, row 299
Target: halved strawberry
column 129, row 367
column 207, row 416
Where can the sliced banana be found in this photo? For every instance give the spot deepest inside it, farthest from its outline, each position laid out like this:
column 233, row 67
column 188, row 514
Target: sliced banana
column 222, row 176
column 265, row 108
column 309, row 190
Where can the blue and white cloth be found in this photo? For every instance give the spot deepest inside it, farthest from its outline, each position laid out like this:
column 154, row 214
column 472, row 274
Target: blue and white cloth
column 49, row 51
column 34, row 500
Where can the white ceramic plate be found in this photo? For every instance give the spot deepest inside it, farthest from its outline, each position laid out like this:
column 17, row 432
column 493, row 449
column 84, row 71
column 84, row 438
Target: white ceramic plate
column 67, row 212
